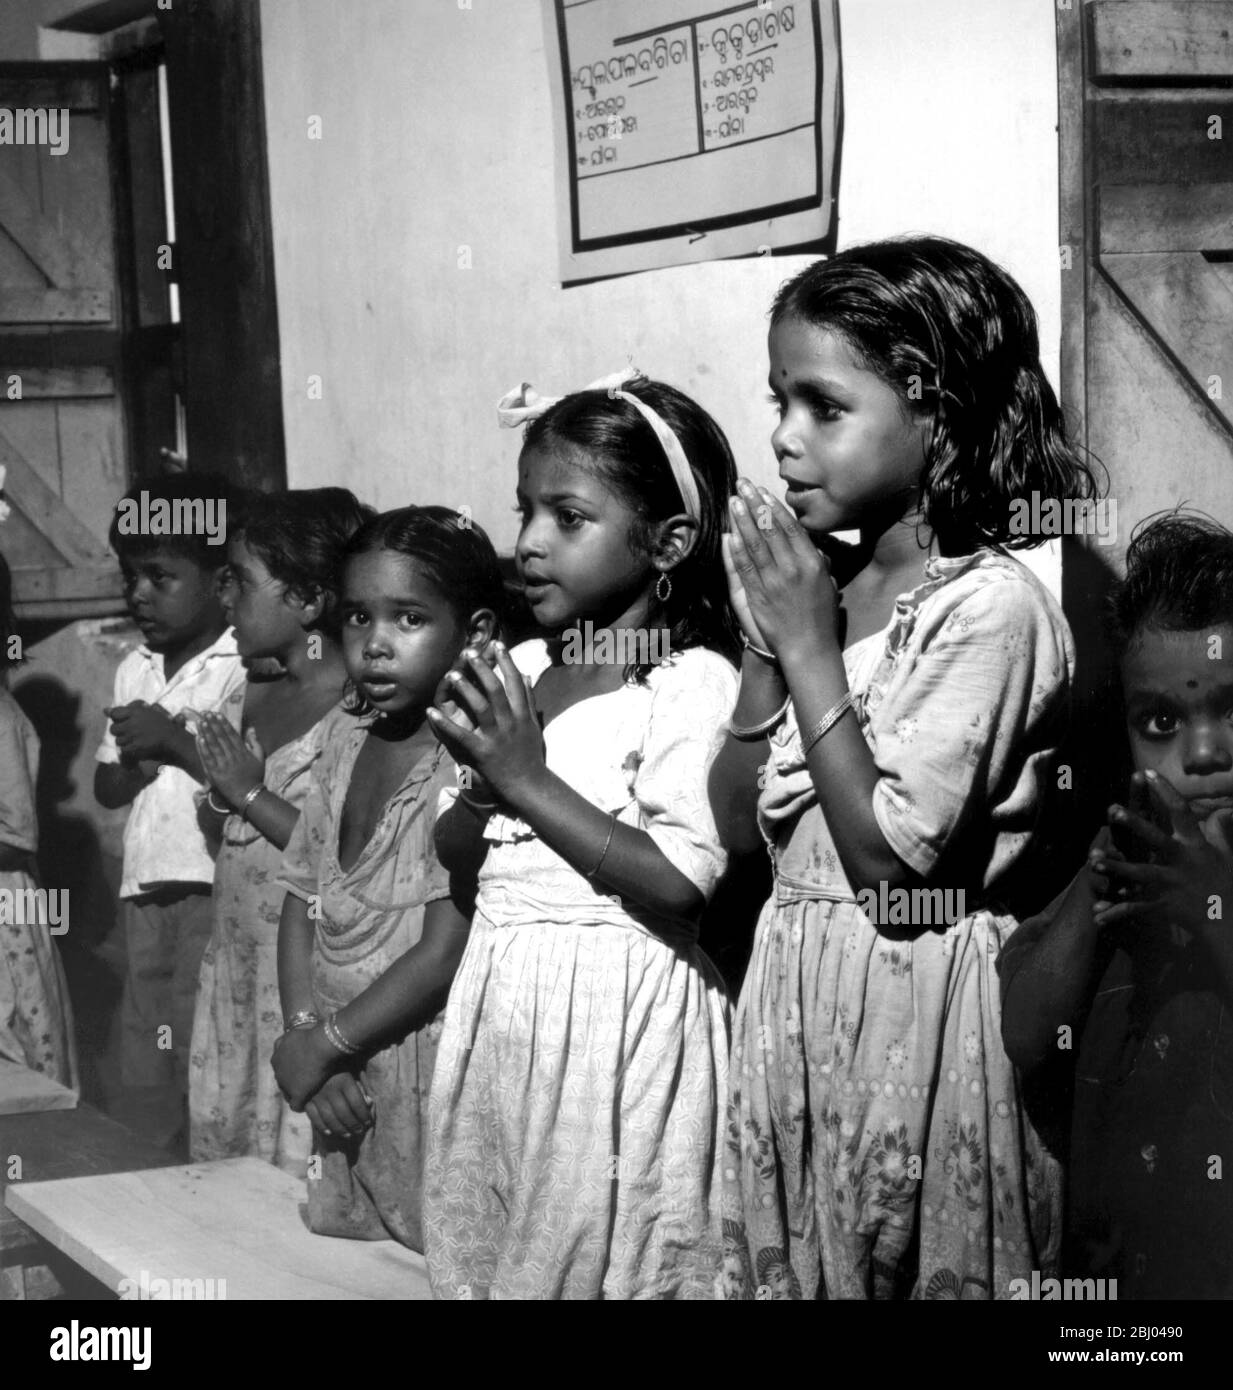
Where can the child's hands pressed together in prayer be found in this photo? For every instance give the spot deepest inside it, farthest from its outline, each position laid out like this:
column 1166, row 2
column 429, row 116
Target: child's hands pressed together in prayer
column 143, row 732
column 779, row 581
column 493, row 728
column 234, row 765
column 1166, row 876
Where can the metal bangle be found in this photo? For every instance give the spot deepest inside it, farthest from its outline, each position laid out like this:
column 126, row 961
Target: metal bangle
column 612, row 823
column 214, row 806
column 253, row 794
column 826, row 723
column 476, row 805
column 334, row 1036
column 757, row 650
column 305, row 1018
column 751, row 733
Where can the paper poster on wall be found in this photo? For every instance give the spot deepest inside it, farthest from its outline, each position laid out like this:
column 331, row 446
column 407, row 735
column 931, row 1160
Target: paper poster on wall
column 690, row 130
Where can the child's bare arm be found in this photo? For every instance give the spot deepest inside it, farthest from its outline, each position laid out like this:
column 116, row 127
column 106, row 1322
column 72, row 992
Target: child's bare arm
column 633, row 866
column 1047, row 986
column 736, row 773
column 116, row 784
column 295, row 953
column 414, row 989
column 405, row 997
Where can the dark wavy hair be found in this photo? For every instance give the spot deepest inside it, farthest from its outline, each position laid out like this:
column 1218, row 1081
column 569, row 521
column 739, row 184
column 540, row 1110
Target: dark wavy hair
column 1179, row 578
column 300, row 536
column 626, row 455
column 452, row 552
column 956, row 338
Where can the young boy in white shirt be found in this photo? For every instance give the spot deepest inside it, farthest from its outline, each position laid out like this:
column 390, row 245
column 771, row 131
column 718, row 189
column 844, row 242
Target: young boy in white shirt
column 174, row 564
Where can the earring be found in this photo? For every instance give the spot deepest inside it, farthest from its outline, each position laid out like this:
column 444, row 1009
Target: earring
column 663, row 579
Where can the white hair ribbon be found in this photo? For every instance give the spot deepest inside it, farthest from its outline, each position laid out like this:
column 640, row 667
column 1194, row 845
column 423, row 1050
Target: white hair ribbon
column 522, row 405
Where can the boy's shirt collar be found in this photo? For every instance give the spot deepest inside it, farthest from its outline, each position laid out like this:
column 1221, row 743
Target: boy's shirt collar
column 223, row 645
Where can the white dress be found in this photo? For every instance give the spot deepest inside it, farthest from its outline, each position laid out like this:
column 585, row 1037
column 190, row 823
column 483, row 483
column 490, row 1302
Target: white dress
column 576, row 1119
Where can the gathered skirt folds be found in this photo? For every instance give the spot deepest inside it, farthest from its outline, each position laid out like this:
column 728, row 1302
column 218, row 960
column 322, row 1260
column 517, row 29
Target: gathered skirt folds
column 877, row 1145
column 577, row 1118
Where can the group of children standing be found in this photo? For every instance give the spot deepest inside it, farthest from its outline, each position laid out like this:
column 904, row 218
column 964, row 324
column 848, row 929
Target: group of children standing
column 427, row 907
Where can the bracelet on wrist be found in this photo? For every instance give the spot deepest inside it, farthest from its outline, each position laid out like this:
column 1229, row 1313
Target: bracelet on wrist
column 612, row 824
column 758, row 651
column 249, row 798
column 303, row 1018
column 214, row 806
column 826, row 723
column 482, row 806
column 751, row 733
column 337, row 1039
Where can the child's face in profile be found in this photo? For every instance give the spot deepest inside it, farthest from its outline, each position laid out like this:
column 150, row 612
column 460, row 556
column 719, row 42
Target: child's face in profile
column 573, row 552
column 256, row 604
column 848, row 449
column 399, row 635
column 173, row 600
column 1178, row 690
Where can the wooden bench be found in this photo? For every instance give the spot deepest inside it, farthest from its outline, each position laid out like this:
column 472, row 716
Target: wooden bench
column 230, row 1230
column 24, row 1092
column 40, row 1146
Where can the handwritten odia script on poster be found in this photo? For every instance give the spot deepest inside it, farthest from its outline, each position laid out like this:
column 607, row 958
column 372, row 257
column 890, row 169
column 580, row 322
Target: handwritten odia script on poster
column 690, row 131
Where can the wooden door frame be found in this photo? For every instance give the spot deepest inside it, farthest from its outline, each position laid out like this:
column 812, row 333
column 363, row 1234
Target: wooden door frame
column 224, row 240
column 224, row 254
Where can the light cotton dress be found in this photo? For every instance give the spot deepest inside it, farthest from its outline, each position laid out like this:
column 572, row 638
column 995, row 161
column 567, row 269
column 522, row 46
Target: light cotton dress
column 577, row 1110
column 877, row 1146
column 367, row 916
column 235, row 1106
column 36, row 1022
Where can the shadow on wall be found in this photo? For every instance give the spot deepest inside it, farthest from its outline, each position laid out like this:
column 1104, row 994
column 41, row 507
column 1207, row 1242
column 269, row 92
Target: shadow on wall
column 70, row 858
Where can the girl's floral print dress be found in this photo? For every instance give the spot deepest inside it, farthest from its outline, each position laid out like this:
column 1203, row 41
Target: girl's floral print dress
column 577, row 1109
column 877, row 1146
column 235, row 1107
column 36, row 1023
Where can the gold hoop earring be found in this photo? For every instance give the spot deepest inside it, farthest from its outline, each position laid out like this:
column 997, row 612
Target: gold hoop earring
column 663, row 579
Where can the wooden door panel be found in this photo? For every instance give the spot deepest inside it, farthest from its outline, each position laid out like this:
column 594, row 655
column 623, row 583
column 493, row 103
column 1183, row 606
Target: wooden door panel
column 1161, row 40
column 1187, row 308
column 1146, row 164
column 65, row 320
column 1161, row 442
column 1165, row 217
column 1160, row 139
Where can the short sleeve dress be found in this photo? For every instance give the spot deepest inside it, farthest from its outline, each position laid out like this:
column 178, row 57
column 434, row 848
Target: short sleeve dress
column 367, row 916
column 577, row 1111
column 235, row 1107
column 36, row 1022
column 877, row 1145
